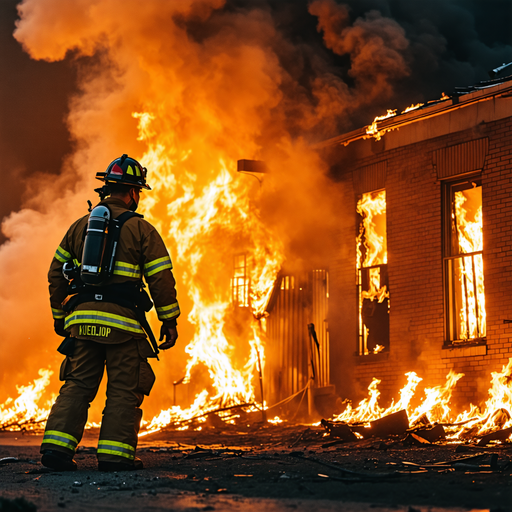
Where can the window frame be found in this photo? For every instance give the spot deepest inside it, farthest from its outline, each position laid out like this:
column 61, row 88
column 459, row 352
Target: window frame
column 449, row 187
column 383, row 271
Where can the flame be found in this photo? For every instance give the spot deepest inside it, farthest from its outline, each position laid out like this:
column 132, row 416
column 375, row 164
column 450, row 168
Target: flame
column 191, row 128
column 372, row 208
column 496, row 414
column 23, row 412
column 412, row 107
column 373, row 131
column 371, row 251
column 469, row 234
column 221, row 207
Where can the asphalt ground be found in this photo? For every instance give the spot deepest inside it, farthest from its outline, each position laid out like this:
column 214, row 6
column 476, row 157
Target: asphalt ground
column 285, row 467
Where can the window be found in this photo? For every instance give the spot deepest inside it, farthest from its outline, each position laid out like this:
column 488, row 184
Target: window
column 463, row 262
column 240, row 282
column 372, row 275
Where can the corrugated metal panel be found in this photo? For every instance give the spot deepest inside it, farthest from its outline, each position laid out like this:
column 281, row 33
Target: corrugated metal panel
column 370, row 178
column 461, row 159
column 300, row 300
column 319, row 310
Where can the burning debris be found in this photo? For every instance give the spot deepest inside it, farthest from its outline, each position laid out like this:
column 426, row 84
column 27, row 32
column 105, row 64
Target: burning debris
column 24, row 412
column 432, row 420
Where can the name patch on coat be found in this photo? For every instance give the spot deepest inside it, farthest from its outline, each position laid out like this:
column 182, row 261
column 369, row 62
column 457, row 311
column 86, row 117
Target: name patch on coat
column 94, row 330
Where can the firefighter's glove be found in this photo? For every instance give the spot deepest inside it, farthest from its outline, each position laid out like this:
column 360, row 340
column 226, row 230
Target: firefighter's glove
column 58, row 327
column 169, row 331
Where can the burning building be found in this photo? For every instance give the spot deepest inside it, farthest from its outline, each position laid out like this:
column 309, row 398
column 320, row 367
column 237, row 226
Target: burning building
column 401, row 264
column 421, row 279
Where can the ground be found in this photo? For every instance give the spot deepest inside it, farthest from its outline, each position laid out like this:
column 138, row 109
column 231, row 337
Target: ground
column 291, row 467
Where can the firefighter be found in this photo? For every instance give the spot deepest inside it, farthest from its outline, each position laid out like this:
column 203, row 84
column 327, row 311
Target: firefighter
column 104, row 323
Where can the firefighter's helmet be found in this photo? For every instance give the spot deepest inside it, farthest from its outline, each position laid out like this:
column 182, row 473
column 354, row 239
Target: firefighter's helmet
column 125, row 171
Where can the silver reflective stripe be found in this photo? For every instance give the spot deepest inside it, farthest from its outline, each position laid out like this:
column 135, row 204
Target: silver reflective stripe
column 168, row 311
column 59, row 438
column 157, row 265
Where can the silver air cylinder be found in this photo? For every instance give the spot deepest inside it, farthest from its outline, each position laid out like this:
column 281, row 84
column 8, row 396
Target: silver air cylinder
column 94, row 245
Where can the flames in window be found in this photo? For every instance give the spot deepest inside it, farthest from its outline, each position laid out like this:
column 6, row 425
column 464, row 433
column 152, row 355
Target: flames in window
column 240, row 282
column 466, row 267
column 372, row 281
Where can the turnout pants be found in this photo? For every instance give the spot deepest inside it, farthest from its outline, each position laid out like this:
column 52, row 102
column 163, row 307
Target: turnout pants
column 129, row 378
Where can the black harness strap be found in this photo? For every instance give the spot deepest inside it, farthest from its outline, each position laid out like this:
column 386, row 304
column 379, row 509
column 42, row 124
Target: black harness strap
column 127, row 295
column 115, row 232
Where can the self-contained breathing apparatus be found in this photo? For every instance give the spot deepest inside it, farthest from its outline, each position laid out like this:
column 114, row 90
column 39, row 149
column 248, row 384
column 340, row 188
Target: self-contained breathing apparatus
column 87, row 280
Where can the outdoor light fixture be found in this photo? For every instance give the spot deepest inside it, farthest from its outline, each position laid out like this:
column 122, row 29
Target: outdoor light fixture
column 256, row 166
column 252, row 168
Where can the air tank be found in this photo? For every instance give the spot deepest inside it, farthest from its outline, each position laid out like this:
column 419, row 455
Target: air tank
column 94, row 246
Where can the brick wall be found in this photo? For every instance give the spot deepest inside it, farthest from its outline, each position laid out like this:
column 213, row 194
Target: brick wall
column 414, row 237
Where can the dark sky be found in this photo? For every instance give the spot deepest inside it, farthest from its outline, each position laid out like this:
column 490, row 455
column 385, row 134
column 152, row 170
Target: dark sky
column 452, row 43
column 33, row 103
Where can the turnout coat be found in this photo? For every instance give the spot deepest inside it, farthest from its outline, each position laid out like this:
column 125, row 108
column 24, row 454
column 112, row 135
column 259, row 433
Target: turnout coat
column 140, row 253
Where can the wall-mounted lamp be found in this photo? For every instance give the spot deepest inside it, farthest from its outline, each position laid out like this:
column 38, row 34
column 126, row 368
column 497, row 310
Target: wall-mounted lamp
column 252, row 167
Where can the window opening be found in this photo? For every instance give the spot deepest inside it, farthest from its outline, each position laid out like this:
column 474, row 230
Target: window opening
column 464, row 264
column 240, row 282
column 372, row 274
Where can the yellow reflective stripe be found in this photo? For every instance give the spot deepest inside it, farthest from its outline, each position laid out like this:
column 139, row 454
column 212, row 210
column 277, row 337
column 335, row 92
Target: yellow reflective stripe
column 58, row 314
column 102, row 318
column 128, row 265
column 117, row 444
column 116, row 448
column 115, row 452
column 60, row 439
column 62, row 255
column 166, row 312
column 157, row 266
column 122, row 268
column 126, row 273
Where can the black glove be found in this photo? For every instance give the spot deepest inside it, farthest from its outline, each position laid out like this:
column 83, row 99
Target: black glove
column 170, row 332
column 58, row 327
